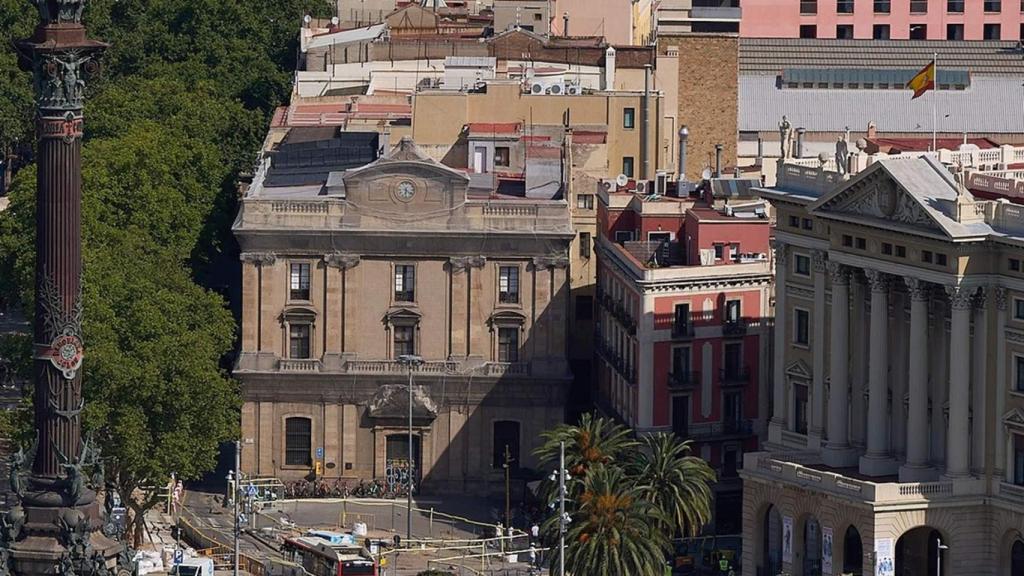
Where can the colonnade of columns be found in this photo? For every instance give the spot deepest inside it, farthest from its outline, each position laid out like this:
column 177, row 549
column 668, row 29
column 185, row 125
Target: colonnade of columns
column 878, row 456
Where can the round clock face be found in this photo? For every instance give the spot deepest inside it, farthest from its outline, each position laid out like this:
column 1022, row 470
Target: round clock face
column 406, row 190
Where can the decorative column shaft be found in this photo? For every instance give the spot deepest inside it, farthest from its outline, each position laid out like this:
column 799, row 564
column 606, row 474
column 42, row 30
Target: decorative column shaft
column 878, row 393
column 957, row 452
column 818, row 352
column 839, row 358
column 1000, row 467
column 917, row 418
column 778, row 421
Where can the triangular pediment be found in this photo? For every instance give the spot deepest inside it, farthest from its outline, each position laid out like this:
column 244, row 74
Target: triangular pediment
column 1014, row 418
column 799, row 369
column 876, row 195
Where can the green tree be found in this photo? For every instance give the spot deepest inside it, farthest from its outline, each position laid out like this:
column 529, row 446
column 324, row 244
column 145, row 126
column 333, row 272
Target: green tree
column 678, row 484
column 614, row 529
column 594, row 440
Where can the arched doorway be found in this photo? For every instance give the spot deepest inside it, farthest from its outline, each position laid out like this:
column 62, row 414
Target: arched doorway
column 1017, row 558
column 812, row 547
column 917, row 553
column 772, row 561
column 853, row 552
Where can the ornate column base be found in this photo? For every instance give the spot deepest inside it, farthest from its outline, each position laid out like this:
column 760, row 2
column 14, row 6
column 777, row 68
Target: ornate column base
column 918, row 473
column 882, row 465
column 840, row 456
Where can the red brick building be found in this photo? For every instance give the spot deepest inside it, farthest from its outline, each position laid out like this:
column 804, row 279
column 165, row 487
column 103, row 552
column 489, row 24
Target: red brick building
column 683, row 285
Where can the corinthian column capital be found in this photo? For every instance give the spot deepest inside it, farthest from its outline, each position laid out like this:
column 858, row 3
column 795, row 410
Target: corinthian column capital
column 879, row 281
column 961, row 297
column 918, row 289
column 838, row 273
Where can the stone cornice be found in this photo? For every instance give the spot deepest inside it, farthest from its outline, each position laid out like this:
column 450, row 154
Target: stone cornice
column 341, row 261
column 259, row 258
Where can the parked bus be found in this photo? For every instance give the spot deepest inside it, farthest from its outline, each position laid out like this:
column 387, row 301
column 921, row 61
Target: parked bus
column 323, row 557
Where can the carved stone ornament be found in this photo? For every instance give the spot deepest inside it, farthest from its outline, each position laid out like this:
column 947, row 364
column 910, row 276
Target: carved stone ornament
column 918, row 289
column 463, row 263
column 818, row 260
column 885, row 200
column 837, row 273
column 341, row 261
column 59, row 11
column 60, row 79
column 999, row 292
column 879, row 281
column 544, row 262
column 779, row 252
column 62, row 328
column 961, row 297
column 259, row 258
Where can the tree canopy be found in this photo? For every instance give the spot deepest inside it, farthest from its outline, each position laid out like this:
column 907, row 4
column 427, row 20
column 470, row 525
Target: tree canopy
column 179, row 111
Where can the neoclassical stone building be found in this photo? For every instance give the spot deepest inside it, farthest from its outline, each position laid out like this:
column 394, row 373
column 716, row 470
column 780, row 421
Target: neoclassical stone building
column 346, row 271
column 898, row 389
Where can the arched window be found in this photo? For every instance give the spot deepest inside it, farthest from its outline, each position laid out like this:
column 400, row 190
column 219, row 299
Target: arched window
column 506, row 433
column 298, row 441
column 1017, row 559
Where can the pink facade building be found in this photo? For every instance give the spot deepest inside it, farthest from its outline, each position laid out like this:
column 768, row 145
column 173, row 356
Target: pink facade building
column 683, row 288
column 883, row 19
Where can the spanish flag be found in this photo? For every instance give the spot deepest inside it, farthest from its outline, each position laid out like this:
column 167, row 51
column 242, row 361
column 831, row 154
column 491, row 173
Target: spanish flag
column 923, row 81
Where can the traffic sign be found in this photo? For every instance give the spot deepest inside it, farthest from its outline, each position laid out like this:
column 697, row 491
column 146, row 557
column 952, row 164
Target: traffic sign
column 252, row 490
column 179, row 556
column 320, row 452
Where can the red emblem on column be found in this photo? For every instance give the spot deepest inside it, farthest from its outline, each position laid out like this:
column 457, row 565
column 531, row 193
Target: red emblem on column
column 65, row 353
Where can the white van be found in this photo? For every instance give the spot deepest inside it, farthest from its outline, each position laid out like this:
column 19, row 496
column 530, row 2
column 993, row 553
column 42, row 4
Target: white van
column 194, row 566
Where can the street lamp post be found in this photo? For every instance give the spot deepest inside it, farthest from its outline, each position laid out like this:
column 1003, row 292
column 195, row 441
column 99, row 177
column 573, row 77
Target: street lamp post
column 234, row 497
column 938, row 555
column 410, row 361
column 561, row 509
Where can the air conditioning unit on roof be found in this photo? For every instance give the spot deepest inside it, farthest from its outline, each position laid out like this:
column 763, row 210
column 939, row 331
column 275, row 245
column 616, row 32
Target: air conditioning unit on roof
column 536, row 88
column 556, row 89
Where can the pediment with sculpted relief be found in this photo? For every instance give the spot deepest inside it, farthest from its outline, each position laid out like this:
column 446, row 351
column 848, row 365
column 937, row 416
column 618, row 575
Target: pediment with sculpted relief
column 880, row 197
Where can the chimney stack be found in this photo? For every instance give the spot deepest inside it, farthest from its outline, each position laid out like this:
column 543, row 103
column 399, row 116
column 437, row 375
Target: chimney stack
column 565, row 23
column 684, row 134
column 800, row 141
column 718, row 160
column 609, row 68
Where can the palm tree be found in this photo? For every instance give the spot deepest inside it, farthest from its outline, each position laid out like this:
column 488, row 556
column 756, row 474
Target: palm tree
column 595, row 440
column 614, row 529
column 678, row 484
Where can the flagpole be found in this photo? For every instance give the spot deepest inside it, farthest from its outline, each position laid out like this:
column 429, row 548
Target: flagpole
column 935, row 100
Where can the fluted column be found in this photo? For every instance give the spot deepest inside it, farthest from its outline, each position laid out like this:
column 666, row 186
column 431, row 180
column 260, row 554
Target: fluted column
column 957, row 453
column 837, row 451
column 999, row 467
column 916, row 468
column 818, row 353
column 876, row 461
column 778, row 421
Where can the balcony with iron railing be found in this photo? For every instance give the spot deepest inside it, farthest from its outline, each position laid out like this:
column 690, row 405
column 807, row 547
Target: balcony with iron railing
column 683, row 379
column 734, row 327
column 737, row 376
column 682, row 330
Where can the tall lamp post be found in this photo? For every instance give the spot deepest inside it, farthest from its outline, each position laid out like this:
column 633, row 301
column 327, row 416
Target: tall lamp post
column 410, row 361
column 939, row 547
column 563, row 519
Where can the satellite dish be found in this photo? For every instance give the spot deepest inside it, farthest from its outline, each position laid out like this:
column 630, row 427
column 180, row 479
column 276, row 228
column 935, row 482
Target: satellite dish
column 622, row 179
column 706, row 174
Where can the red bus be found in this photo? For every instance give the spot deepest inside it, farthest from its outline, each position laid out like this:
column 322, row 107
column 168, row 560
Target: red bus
column 321, row 557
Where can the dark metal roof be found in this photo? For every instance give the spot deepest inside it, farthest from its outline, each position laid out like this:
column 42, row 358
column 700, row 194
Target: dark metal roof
column 308, row 155
column 772, row 55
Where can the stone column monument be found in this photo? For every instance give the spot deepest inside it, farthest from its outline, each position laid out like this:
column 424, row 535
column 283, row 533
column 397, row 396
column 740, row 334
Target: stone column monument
column 57, row 526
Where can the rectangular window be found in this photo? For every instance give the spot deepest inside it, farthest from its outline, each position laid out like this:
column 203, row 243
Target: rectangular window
column 1019, row 379
column 502, row 156
column 506, row 445
column 623, row 236
column 681, row 360
column 508, row 344
column 800, row 408
column 628, row 117
column 405, row 283
column 843, row 32
column 844, row 6
column 883, row 6
column 862, row 244
column 405, row 340
column 940, row 259
column 1018, row 309
column 901, row 251
column 299, row 282
column 801, row 327
column 508, row 284
column 993, row 6
column 1018, row 460
column 298, row 442
column 585, row 201
column 847, row 240
column 794, row 221
column 681, row 416
column 807, row 224
column 918, row 31
column 681, row 319
column 887, row 248
column 298, row 341
column 808, row 31
column 538, row 16
column 880, row 31
column 990, row 32
column 808, row 6
column 926, row 256
column 734, row 252
column 732, row 311
column 918, row 6
column 584, row 308
column 719, row 251
column 954, row 31
column 585, row 244
column 802, row 264
column 627, row 166
column 955, row 6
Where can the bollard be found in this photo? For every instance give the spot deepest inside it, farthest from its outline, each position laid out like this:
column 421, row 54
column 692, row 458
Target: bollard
column 431, row 521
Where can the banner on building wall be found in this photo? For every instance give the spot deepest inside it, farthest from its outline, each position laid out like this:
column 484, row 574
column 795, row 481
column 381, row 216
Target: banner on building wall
column 885, row 557
column 787, row 540
column 826, row 551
